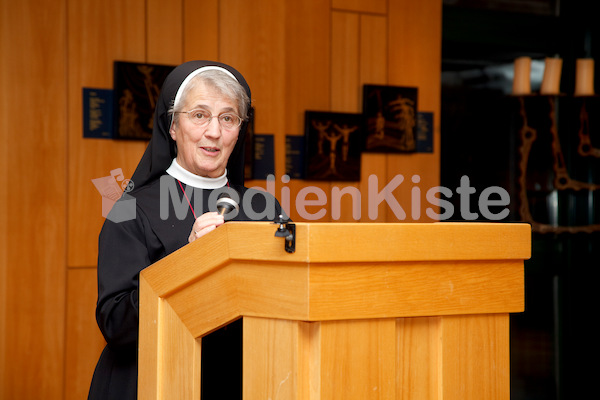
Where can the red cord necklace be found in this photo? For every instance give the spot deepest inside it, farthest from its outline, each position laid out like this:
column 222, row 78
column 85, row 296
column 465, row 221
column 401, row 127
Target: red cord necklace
column 188, row 200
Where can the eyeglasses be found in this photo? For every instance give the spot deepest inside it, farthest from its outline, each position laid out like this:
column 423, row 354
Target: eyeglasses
column 203, row 118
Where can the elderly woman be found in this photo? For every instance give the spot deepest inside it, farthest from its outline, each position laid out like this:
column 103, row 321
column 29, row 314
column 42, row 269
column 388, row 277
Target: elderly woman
column 196, row 150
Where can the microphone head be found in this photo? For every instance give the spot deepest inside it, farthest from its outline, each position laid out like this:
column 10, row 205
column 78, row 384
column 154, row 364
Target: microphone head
column 225, row 205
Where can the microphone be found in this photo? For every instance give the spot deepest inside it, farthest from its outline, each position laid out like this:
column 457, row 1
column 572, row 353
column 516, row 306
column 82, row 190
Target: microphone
column 225, row 205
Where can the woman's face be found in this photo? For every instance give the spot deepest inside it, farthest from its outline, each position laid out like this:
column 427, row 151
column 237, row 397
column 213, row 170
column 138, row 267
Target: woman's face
column 205, row 150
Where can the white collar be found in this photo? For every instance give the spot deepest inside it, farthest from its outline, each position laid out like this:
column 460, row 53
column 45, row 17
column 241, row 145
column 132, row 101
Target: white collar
column 200, row 182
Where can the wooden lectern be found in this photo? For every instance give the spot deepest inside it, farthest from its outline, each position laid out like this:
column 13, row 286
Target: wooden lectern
column 358, row 311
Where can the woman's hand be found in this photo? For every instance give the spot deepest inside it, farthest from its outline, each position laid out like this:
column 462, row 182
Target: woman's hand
column 205, row 223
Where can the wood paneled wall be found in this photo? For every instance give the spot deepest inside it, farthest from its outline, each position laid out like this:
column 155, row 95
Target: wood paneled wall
column 33, row 129
column 297, row 55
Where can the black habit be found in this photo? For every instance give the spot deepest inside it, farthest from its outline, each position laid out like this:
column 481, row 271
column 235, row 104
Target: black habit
column 126, row 248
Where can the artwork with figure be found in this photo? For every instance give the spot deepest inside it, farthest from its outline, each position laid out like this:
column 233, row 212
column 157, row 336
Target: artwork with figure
column 390, row 113
column 334, row 142
column 136, row 88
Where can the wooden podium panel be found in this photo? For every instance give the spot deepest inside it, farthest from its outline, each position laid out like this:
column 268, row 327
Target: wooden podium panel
column 450, row 357
column 369, row 311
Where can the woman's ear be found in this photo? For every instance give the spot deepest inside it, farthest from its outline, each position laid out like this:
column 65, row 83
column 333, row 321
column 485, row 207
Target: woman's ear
column 172, row 130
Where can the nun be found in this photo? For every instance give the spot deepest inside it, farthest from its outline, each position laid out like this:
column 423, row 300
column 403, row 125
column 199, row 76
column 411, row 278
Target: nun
column 196, row 154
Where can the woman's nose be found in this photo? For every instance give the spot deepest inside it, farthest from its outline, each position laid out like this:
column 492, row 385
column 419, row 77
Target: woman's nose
column 213, row 128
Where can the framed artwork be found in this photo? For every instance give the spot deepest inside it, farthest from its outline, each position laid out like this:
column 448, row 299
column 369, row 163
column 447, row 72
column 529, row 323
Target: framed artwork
column 390, row 114
column 264, row 156
column 334, row 143
column 294, row 156
column 136, row 89
column 424, row 132
column 97, row 113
